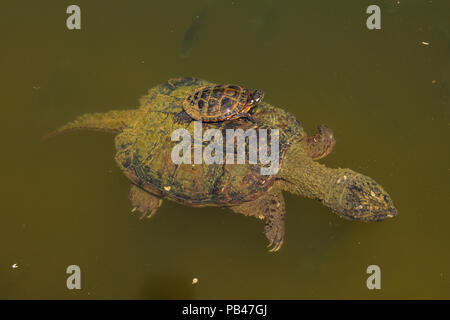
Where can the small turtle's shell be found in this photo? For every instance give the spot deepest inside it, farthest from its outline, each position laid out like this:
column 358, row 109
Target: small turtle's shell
column 216, row 103
column 144, row 150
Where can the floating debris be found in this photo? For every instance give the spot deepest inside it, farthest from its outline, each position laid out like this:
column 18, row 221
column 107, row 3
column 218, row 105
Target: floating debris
column 194, row 281
column 425, row 43
column 15, row 266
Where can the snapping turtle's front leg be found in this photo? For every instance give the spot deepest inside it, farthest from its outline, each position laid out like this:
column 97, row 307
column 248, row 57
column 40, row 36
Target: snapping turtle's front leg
column 270, row 207
column 320, row 145
column 144, row 202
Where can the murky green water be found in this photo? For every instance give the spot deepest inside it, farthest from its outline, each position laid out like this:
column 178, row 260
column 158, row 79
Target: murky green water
column 64, row 202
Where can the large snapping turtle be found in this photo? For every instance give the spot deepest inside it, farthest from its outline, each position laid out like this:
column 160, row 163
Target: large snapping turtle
column 145, row 153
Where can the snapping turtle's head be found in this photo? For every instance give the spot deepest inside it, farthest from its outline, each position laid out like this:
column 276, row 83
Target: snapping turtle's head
column 357, row 197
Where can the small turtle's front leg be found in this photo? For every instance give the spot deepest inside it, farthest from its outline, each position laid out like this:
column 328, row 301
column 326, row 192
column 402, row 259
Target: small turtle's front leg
column 144, row 202
column 270, row 207
column 244, row 115
column 182, row 118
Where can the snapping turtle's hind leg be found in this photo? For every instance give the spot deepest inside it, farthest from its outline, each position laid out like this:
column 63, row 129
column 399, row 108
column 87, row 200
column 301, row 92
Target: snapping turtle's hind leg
column 182, row 117
column 270, row 207
column 143, row 201
column 320, row 145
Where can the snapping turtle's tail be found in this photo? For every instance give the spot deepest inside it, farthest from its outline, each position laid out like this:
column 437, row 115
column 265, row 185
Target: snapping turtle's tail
column 112, row 121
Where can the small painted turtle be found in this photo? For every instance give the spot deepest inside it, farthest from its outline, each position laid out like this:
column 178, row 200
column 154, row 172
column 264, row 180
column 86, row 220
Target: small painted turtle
column 221, row 102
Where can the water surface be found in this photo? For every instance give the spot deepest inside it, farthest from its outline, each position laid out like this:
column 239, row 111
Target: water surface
column 64, row 202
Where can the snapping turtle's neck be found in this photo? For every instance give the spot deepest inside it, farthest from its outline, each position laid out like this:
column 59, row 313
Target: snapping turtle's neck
column 303, row 176
column 348, row 193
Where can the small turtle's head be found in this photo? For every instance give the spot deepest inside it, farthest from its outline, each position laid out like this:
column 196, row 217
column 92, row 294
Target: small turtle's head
column 256, row 97
column 358, row 197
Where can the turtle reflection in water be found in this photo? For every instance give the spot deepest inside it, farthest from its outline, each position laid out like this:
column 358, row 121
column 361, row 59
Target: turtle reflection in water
column 144, row 146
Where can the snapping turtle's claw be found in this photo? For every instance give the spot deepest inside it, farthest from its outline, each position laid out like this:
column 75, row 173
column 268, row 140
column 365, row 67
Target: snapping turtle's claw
column 142, row 216
column 274, row 231
column 276, row 238
column 276, row 246
column 147, row 215
column 152, row 213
